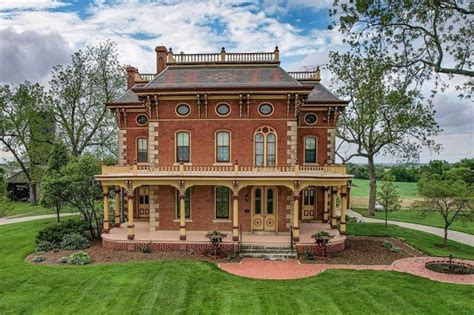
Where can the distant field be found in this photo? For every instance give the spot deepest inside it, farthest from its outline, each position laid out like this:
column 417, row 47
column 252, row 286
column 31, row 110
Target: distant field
column 360, row 192
column 406, row 190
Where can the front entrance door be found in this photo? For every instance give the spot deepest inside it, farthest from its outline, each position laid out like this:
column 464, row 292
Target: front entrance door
column 264, row 209
column 143, row 203
column 309, row 203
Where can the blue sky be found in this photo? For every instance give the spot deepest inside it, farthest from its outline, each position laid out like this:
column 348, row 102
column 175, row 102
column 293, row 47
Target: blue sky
column 36, row 35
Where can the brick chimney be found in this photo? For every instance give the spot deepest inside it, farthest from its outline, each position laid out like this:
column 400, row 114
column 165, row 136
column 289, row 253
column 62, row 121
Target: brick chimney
column 161, row 56
column 131, row 74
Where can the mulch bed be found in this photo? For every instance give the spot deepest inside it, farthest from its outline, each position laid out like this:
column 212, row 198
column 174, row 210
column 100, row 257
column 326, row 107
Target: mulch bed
column 367, row 251
column 100, row 255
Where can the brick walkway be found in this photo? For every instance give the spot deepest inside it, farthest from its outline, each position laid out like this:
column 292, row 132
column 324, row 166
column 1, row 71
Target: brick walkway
column 293, row 269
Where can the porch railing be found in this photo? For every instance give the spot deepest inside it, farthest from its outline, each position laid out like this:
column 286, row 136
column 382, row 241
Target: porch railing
column 232, row 170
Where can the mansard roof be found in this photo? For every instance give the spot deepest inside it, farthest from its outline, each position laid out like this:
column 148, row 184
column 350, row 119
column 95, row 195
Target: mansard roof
column 222, row 76
column 320, row 94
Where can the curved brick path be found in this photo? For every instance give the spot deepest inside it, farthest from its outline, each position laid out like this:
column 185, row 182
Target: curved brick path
column 292, row 269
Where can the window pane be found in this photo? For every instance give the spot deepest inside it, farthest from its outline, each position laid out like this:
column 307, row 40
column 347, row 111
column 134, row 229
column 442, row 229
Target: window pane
column 311, row 197
column 183, row 138
column 310, row 143
column 222, row 202
column 270, row 201
column 223, row 154
column 183, row 154
column 222, row 138
column 187, row 205
column 258, row 200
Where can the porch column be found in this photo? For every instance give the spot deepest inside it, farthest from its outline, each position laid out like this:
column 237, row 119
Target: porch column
column 182, row 215
column 105, row 194
column 130, row 225
column 342, row 226
column 296, row 226
column 235, row 217
column 117, row 207
column 333, row 208
column 326, row 209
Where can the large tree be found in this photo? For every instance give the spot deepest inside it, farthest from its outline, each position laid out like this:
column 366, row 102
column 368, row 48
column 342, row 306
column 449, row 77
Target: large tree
column 78, row 94
column 428, row 36
column 386, row 114
column 26, row 129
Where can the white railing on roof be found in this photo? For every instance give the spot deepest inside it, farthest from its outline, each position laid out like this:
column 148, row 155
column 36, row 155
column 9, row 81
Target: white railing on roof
column 223, row 57
column 306, row 75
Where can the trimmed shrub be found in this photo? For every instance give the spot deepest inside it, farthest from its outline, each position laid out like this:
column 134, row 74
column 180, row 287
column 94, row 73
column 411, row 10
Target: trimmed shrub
column 54, row 232
column 45, row 246
column 79, row 258
column 74, row 241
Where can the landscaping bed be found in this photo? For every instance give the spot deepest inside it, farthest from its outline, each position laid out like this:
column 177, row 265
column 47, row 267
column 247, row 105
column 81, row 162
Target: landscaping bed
column 100, row 255
column 367, row 251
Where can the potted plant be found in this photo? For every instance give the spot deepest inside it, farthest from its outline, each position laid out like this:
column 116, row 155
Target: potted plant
column 322, row 237
column 216, row 238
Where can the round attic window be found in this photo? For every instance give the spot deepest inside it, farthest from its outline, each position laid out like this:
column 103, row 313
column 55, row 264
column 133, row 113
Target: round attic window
column 183, row 110
column 223, row 109
column 310, row 118
column 142, row 120
column 265, row 109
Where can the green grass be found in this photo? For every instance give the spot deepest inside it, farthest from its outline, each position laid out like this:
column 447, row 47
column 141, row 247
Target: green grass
column 196, row 287
column 425, row 242
column 24, row 209
column 413, row 216
column 406, row 190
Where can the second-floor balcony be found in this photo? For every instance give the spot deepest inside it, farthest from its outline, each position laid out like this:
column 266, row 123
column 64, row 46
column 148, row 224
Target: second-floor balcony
column 234, row 171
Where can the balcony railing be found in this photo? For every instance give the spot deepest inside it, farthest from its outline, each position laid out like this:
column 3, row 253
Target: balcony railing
column 224, row 171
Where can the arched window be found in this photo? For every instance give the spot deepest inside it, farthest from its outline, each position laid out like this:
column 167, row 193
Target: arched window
column 310, row 149
column 142, row 150
column 183, row 148
column 223, row 146
column 222, row 202
column 265, row 147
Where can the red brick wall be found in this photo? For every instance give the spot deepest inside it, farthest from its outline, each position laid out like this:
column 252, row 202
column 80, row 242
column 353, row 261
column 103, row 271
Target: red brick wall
column 203, row 209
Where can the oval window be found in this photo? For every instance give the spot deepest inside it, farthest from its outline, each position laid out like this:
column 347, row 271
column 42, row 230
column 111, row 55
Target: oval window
column 142, row 120
column 183, row 109
column 310, row 119
column 265, row 109
column 223, row 109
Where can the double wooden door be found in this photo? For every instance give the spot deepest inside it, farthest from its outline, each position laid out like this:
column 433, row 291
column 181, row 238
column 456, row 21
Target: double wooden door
column 308, row 207
column 264, row 208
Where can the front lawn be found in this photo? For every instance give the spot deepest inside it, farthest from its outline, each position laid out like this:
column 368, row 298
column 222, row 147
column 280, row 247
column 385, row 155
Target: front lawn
column 413, row 216
column 24, row 209
column 425, row 242
column 198, row 287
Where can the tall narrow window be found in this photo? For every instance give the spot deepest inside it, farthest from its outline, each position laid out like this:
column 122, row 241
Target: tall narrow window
column 259, row 151
column 187, row 205
column 142, row 150
column 182, row 147
column 222, row 202
column 310, row 150
column 223, row 146
column 265, row 147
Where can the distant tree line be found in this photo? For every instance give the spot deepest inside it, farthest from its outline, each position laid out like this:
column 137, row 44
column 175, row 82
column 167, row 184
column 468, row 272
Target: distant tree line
column 414, row 172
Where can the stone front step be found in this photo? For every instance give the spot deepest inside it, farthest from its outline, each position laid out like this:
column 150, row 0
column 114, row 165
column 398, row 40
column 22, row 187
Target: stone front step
column 267, row 252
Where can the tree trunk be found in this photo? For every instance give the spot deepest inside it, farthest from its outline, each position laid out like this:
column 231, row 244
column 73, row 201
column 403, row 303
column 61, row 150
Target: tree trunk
column 386, row 216
column 372, row 186
column 57, row 213
column 33, row 197
column 445, row 240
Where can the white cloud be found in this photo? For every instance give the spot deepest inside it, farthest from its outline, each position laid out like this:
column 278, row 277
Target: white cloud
column 30, row 5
